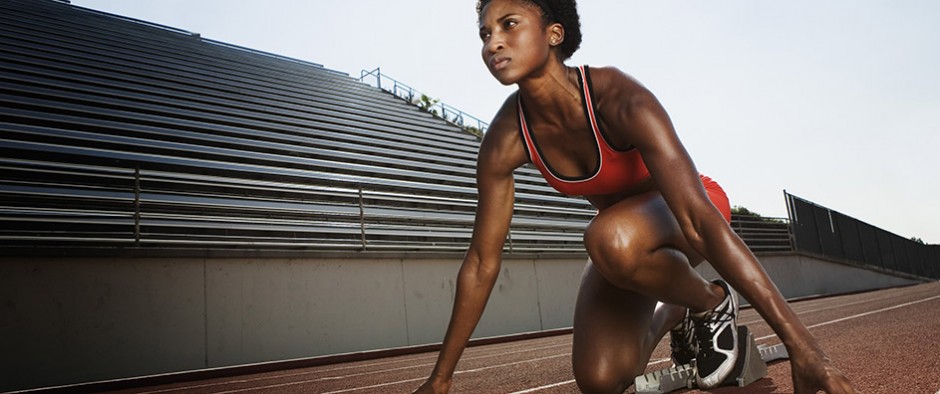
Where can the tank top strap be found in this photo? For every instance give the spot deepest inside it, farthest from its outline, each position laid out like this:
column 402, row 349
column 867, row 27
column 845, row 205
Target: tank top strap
column 587, row 98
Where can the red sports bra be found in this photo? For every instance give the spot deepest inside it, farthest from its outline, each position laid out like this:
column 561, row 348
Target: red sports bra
column 617, row 170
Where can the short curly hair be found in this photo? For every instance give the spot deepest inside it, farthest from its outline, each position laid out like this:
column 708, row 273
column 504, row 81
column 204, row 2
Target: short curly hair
column 555, row 11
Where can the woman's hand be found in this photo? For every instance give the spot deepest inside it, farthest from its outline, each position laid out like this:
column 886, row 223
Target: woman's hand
column 812, row 370
column 433, row 387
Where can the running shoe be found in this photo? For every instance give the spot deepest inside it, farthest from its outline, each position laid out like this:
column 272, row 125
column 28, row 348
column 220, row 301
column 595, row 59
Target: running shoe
column 682, row 342
column 716, row 332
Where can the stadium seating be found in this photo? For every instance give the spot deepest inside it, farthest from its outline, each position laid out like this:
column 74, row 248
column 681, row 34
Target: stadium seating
column 119, row 134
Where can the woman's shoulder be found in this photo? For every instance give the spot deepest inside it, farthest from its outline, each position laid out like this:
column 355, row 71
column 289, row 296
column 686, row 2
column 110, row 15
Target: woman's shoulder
column 502, row 140
column 622, row 101
column 506, row 121
column 610, row 80
column 617, row 91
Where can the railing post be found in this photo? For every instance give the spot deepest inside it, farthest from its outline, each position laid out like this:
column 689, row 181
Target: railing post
column 378, row 76
column 509, row 235
column 399, row 89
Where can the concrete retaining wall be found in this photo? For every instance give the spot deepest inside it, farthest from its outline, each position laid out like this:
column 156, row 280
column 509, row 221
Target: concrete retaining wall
column 800, row 276
column 67, row 321
column 78, row 320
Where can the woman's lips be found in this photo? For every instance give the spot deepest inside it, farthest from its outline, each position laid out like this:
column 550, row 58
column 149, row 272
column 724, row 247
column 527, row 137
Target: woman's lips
column 499, row 62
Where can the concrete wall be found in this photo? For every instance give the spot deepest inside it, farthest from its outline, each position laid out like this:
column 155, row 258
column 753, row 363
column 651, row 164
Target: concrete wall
column 68, row 321
column 800, row 276
column 78, row 320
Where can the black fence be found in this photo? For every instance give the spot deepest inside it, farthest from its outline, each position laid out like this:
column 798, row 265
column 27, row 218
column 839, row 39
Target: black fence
column 820, row 230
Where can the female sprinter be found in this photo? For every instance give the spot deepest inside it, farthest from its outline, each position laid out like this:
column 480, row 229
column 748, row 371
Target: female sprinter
column 598, row 133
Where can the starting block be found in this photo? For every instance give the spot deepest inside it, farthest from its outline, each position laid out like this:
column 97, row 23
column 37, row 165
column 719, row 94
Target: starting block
column 751, row 366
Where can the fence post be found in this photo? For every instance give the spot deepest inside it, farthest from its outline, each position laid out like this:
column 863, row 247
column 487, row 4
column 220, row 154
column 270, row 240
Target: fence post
column 791, row 214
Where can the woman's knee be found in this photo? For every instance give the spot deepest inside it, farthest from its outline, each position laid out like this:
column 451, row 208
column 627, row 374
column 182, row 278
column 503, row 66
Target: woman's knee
column 615, row 246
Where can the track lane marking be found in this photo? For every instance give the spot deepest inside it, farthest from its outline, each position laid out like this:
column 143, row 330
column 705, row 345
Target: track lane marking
column 327, row 378
column 766, row 336
column 548, row 386
column 423, row 378
column 855, row 316
column 817, row 310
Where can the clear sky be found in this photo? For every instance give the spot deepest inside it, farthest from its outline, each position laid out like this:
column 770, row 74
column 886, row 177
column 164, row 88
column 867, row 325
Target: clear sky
column 835, row 101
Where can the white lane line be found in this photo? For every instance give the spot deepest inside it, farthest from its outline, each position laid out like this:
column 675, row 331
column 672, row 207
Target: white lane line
column 432, row 364
column 815, row 310
column 759, row 339
column 296, row 374
column 826, row 323
column 544, row 387
column 363, row 388
column 512, row 363
column 407, row 359
column 423, row 378
column 389, row 383
column 548, row 386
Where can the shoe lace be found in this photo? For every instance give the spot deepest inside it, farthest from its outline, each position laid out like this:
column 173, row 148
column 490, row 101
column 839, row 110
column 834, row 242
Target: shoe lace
column 682, row 337
column 704, row 328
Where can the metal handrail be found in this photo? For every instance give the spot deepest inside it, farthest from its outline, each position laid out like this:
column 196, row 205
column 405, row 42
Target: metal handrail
column 408, row 93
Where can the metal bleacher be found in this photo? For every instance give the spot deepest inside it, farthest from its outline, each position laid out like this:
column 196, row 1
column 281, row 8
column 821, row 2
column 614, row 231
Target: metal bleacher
column 122, row 135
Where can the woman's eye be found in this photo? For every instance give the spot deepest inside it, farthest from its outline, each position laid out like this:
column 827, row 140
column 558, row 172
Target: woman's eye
column 484, row 35
column 509, row 24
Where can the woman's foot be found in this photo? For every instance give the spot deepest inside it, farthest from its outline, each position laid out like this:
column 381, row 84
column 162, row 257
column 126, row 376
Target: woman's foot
column 716, row 332
column 682, row 342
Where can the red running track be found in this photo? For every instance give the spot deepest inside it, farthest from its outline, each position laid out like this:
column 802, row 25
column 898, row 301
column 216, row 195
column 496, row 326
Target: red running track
column 885, row 341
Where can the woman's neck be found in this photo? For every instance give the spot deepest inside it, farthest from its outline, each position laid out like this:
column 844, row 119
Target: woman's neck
column 551, row 91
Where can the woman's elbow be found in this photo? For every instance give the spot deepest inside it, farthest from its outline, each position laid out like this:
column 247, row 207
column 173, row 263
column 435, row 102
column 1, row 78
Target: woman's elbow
column 694, row 234
column 699, row 227
column 481, row 266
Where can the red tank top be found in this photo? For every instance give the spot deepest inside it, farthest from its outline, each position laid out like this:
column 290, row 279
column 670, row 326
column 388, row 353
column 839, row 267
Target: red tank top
column 617, row 170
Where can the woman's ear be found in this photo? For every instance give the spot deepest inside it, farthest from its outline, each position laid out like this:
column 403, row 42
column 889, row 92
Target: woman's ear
column 556, row 34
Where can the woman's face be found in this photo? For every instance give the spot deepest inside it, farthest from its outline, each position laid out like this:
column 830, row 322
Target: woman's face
column 515, row 41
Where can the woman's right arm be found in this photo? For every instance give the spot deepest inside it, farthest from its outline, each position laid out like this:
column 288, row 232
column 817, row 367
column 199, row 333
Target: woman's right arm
column 500, row 154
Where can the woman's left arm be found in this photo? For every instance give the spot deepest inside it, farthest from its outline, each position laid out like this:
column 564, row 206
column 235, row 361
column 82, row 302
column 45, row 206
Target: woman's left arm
column 631, row 109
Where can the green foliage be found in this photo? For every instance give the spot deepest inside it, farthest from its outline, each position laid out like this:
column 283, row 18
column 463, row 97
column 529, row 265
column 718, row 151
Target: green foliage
column 425, row 103
column 742, row 211
column 739, row 210
column 475, row 131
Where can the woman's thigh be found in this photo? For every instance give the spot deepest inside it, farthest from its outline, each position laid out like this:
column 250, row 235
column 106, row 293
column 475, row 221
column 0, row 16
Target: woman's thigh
column 629, row 232
column 612, row 326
